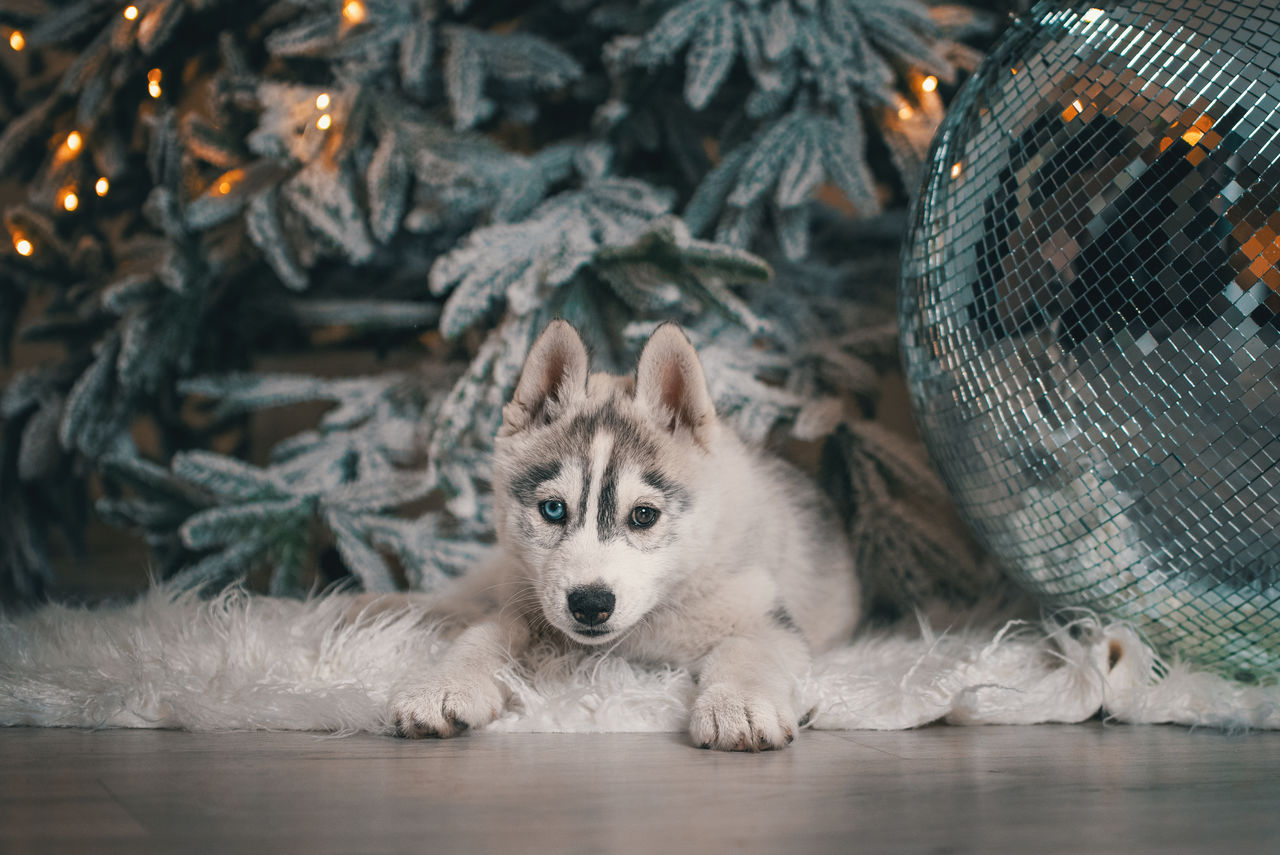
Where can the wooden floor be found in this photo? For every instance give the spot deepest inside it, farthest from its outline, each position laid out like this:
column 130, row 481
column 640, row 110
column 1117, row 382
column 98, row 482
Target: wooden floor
column 1078, row 789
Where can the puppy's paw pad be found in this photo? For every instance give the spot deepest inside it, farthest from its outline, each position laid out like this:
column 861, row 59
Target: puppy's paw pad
column 728, row 719
column 447, row 709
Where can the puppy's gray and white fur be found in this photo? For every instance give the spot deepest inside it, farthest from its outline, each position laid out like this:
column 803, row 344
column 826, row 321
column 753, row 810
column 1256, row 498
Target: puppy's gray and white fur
column 733, row 566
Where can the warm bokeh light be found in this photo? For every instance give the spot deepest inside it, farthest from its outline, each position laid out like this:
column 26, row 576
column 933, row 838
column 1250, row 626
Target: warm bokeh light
column 130, row 13
column 17, row 41
column 322, row 101
column 153, row 89
column 227, row 181
column 70, row 201
column 956, row 169
column 74, row 141
column 929, row 84
column 102, row 186
column 353, row 11
column 905, row 112
column 154, row 75
column 23, row 246
column 324, row 122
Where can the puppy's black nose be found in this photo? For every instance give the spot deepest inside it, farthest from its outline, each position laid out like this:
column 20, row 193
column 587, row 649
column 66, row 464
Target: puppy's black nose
column 591, row 605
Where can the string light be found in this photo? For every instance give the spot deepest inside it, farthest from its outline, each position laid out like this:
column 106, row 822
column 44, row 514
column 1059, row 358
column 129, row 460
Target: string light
column 130, row 13
column 905, row 111
column 956, row 169
column 22, row 245
column 227, row 181
column 353, row 11
column 102, row 186
column 322, row 101
column 929, row 84
column 70, row 201
column 324, row 122
column 74, row 141
column 153, row 82
column 17, row 41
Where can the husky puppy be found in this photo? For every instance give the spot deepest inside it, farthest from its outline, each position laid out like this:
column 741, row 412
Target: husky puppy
column 630, row 518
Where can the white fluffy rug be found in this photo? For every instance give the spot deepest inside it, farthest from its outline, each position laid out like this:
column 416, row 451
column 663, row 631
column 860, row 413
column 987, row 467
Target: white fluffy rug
column 247, row 662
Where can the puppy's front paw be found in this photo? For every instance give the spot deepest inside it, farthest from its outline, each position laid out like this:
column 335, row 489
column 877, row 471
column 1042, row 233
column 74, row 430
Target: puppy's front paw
column 729, row 719
column 447, row 708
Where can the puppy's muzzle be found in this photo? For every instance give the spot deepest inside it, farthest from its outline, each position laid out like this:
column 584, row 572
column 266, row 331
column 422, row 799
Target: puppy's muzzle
column 591, row 605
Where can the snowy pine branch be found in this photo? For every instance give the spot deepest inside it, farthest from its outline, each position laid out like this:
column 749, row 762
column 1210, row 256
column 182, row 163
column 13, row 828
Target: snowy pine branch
column 815, row 70
column 205, row 188
column 322, row 487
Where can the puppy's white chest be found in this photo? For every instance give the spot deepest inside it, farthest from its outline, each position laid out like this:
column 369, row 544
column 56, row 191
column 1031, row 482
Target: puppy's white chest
column 696, row 615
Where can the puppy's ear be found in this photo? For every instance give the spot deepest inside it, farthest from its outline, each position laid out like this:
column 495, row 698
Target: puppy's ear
column 671, row 387
column 554, row 377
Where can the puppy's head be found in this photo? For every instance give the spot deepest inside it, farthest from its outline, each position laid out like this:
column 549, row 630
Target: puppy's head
column 596, row 479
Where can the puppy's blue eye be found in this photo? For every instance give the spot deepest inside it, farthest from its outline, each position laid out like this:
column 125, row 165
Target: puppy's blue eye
column 552, row 510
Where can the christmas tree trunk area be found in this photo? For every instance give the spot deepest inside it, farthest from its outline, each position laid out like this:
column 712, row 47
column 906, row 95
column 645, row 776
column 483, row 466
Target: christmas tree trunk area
column 271, row 269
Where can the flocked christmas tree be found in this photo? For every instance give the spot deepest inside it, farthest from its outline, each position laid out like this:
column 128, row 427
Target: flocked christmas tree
column 193, row 186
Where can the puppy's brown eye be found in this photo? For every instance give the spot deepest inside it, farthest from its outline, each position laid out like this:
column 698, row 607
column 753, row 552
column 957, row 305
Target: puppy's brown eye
column 643, row 516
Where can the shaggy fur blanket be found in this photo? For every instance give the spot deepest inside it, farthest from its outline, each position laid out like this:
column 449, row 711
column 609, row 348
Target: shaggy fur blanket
column 239, row 661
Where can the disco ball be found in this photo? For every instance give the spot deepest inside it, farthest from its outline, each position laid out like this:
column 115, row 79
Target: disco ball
column 1090, row 314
